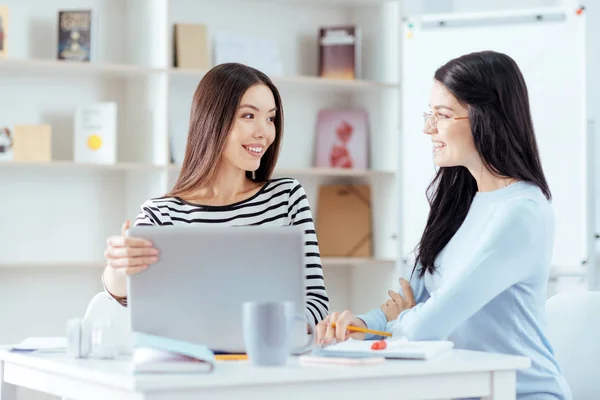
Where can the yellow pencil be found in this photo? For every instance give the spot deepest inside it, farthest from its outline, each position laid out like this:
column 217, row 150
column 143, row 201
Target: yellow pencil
column 364, row 330
column 229, row 357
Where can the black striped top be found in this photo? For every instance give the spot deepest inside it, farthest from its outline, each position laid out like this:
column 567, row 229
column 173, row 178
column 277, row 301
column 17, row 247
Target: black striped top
column 279, row 202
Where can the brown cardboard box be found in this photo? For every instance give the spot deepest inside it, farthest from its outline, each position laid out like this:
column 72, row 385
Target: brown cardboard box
column 344, row 221
column 191, row 46
column 32, row 143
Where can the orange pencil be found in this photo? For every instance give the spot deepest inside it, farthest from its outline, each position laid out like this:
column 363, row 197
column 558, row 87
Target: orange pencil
column 364, row 330
column 230, row 357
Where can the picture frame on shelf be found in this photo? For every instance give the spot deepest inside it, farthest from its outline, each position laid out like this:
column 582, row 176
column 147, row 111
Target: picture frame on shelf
column 342, row 139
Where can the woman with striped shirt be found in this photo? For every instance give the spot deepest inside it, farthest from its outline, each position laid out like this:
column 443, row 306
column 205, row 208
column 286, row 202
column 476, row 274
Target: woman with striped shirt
column 235, row 133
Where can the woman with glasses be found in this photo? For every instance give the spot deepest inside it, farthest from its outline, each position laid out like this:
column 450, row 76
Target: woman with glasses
column 482, row 264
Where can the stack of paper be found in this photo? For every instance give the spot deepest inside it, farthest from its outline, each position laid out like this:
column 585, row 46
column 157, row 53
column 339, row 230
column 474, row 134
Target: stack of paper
column 423, row 350
column 41, row 344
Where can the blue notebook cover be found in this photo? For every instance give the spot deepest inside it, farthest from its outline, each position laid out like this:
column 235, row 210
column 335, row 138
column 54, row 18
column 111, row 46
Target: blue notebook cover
column 200, row 352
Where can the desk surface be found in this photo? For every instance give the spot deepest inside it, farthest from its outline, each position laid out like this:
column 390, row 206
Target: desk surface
column 117, row 373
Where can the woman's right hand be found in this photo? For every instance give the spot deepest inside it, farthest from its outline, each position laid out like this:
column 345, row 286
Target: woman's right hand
column 326, row 333
column 128, row 255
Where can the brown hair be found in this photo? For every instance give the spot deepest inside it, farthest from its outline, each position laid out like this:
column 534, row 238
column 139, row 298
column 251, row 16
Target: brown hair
column 213, row 112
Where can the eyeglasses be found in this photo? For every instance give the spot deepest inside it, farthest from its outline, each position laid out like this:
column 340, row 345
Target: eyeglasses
column 433, row 119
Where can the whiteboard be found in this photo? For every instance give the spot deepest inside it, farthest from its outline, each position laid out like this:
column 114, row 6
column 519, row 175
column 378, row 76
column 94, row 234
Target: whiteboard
column 551, row 54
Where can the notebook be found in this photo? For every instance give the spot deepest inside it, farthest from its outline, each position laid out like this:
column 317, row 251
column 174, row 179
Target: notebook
column 41, row 344
column 421, row 350
column 156, row 354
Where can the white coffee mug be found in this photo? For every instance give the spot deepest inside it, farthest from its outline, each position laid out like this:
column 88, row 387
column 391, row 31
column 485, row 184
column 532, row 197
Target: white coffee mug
column 269, row 332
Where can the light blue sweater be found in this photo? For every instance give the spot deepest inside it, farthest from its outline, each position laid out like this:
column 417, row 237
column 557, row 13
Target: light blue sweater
column 490, row 287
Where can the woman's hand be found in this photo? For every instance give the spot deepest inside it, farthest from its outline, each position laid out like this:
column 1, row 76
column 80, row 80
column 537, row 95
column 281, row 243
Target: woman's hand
column 128, row 255
column 396, row 304
column 326, row 333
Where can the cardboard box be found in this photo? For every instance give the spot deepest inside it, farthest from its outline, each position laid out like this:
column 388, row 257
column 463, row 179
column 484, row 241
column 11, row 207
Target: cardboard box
column 344, row 222
column 32, row 143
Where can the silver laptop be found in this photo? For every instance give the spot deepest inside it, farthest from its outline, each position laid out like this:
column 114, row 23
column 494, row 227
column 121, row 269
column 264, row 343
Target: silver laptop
column 203, row 276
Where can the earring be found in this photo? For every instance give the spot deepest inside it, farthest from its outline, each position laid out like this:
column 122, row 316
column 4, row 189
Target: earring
column 253, row 175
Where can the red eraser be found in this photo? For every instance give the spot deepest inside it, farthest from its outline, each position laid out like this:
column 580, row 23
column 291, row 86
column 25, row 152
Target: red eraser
column 379, row 345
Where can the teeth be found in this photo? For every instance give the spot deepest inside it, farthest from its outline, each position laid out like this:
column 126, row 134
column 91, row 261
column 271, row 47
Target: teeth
column 255, row 149
column 438, row 144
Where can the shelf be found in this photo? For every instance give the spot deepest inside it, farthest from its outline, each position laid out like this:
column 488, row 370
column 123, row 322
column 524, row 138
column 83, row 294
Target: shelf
column 322, row 172
column 355, row 261
column 566, row 272
column 129, row 166
column 70, row 67
column 54, row 264
column 125, row 70
column 333, row 3
column 58, row 164
column 302, row 81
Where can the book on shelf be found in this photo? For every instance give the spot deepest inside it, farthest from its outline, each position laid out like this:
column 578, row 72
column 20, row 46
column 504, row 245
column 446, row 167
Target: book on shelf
column 342, row 139
column 340, row 52
column 191, row 46
column 96, row 133
column 75, row 35
column 3, row 30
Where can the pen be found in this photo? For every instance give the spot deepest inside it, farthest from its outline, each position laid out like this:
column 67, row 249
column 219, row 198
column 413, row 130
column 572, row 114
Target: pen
column 364, row 330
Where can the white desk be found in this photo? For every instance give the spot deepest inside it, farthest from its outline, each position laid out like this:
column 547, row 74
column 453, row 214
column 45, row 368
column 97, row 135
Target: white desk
column 456, row 374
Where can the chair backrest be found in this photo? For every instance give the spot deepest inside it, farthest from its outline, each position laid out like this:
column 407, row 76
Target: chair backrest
column 574, row 332
column 102, row 307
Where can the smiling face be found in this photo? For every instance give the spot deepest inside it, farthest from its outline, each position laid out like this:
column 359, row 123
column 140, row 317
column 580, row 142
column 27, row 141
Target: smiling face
column 451, row 137
column 253, row 129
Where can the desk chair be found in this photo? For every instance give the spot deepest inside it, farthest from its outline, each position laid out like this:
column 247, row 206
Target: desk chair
column 574, row 332
column 102, row 307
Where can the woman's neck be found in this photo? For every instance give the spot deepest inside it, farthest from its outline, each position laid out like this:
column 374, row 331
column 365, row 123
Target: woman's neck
column 487, row 181
column 228, row 186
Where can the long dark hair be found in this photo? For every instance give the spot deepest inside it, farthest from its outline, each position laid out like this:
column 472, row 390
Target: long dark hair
column 491, row 86
column 214, row 107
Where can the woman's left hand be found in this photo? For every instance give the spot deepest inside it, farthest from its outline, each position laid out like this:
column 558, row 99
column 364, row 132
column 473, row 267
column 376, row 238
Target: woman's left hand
column 396, row 304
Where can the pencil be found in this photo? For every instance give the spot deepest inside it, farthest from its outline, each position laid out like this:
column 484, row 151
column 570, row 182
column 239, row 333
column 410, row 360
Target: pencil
column 230, row 357
column 364, row 330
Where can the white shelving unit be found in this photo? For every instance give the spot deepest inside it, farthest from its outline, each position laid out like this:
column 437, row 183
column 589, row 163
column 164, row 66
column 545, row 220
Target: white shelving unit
column 55, row 217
